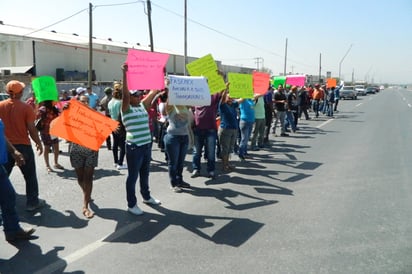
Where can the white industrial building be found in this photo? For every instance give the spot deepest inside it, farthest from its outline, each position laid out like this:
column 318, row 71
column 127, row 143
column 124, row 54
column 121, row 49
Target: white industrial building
column 66, row 56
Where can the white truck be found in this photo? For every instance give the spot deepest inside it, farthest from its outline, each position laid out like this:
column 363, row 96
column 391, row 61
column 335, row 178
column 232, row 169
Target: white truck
column 360, row 89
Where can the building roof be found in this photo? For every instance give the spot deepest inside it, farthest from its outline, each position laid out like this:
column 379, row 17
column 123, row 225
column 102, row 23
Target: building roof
column 19, row 33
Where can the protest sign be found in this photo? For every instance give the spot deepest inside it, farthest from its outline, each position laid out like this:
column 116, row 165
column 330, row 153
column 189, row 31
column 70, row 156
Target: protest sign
column 331, row 82
column 82, row 125
column 45, row 89
column 296, row 80
column 188, row 91
column 146, row 69
column 206, row 66
column 261, row 82
column 278, row 80
column 241, row 85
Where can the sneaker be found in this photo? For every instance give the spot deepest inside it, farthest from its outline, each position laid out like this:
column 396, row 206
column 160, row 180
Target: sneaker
column 195, row 173
column 176, row 189
column 212, row 175
column 39, row 205
column 135, row 210
column 152, row 201
column 22, row 234
column 183, row 185
column 124, row 166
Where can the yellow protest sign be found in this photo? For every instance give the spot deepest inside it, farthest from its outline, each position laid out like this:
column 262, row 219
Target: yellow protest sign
column 241, row 85
column 206, row 66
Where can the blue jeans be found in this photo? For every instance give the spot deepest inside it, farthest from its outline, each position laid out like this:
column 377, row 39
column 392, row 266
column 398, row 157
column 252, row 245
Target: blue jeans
column 138, row 163
column 204, row 138
column 290, row 120
column 176, row 149
column 8, row 204
column 29, row 173
column 245, row 131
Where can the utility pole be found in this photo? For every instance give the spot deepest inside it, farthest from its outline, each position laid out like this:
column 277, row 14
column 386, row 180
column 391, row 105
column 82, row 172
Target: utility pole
column 149, row 17
column 258, row 62
column 320, row 67
column 286, row 56
column 90, row 74
column 184, row 69
column 340, row 63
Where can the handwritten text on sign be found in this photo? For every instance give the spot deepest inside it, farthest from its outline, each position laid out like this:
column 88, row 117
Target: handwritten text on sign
column 206, row 66
column 241, row 85
column 45, row 89
column 189, row 91
column 146, row 69
column 83, row 125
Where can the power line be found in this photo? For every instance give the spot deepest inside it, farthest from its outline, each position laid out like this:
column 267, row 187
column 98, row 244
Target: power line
column 58, row 22
column 220, row 32
column 86, row 9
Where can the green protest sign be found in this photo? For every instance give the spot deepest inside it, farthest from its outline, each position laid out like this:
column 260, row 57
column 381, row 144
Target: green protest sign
column 241, row 85
column 44, row 88
column 278, row 80
column 206, row 66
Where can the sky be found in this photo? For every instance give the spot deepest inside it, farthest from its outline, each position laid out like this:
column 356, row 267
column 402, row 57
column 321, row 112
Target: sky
column 365, row 39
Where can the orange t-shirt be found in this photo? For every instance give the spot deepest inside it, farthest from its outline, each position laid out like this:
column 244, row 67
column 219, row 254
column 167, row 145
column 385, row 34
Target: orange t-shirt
column 16, row 115
column 318, row 94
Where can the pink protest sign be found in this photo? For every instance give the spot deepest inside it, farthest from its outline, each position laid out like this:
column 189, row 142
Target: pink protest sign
column 261, row 82
column 146, row 69
column 295, row 80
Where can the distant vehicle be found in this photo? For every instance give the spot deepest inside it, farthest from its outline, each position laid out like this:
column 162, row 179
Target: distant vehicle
column 370, row 90
column 348, row 92
column 360, row 89
column 382, row 87
column 3, row 96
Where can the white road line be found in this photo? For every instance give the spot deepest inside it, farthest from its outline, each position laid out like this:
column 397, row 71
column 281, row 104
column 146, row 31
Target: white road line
column 409, row 105
column 325, row 123
column 359, row 104
column 78, row 254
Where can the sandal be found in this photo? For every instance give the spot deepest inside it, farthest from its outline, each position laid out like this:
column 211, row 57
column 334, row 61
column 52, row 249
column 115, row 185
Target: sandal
column 87, row 213
column 49, row 169
column 58, row 166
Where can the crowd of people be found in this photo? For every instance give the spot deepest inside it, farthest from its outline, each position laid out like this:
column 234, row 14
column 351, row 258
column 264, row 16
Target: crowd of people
column 227, row 126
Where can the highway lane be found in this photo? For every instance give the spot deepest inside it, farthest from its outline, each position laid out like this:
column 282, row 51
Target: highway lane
column 333, row 198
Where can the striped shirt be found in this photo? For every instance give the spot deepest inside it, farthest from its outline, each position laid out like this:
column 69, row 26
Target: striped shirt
column 136, row 122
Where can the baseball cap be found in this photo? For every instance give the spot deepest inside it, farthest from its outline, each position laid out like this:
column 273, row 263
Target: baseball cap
column 80, row 90
column 136, row 92
column 14, row 87
column 108, row 90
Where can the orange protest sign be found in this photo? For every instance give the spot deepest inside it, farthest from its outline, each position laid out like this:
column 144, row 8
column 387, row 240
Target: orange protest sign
column 83, row 125
column 261, row 82
column 331, row 82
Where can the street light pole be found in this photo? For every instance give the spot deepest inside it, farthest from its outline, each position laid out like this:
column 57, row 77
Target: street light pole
column 90, row 74
column 149, row 17
column 340, row 63
column 185, row 43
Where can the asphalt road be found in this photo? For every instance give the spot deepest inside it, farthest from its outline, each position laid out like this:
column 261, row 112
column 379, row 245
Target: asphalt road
column 333, row 198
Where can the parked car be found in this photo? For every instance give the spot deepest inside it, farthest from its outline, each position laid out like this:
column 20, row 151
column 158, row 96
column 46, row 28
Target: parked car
column 3, row 96
column 370, row 90
column 348, row 92
column 360, row 90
